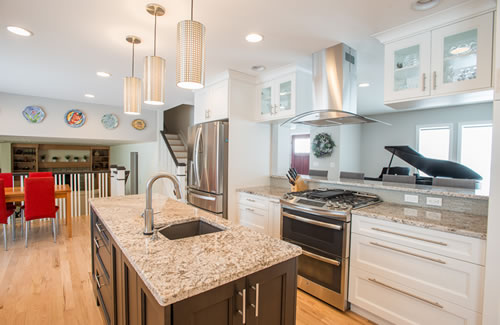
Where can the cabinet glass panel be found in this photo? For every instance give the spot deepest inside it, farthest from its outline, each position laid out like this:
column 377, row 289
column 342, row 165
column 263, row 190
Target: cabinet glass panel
column 265, row 100
column 286, row 95
column 407, row 68
column 460, row 57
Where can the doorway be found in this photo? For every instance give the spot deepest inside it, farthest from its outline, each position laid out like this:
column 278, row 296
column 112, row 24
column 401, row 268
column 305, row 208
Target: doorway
column 301, row 148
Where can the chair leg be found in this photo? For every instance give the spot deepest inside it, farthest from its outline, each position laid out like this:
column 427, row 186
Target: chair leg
column 13, row 224
column 54, row 229
column 22, row 223
column 26, row 235
column 5, row 237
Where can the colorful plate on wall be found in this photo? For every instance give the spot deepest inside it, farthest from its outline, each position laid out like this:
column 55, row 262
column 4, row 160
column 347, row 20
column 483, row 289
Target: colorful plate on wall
column 139, row 124
column 109, row 121
column 34, row 114
column 75, row 118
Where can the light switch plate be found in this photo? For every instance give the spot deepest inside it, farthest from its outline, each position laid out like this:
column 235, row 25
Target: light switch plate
column 436, row 201
column 411, row 198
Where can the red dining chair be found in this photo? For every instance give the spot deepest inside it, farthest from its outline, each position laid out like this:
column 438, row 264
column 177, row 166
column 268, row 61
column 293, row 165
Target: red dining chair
column 4, row 212
column 39, row 200
column 8, row 182
column 40, row 174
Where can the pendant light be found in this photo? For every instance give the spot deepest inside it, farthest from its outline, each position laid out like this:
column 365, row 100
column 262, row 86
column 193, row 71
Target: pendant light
column 154, row 67
column 132, row 85
column 190, row 54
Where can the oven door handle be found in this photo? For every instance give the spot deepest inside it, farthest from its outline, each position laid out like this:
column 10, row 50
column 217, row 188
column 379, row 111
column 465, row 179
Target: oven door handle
column 312, row 222
column 321, row 258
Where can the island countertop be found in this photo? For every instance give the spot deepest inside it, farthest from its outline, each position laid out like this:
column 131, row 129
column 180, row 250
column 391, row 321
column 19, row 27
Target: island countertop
column 174, row 270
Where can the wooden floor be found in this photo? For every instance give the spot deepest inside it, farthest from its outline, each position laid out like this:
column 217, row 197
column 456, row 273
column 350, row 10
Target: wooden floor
column 50, row 283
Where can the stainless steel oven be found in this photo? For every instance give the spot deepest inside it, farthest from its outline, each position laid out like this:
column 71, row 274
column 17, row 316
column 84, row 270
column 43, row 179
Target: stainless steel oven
column 324, row 264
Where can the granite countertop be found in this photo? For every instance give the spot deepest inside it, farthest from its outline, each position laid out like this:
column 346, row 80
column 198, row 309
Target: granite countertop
column 478, row 194
column 272, row 192
column 448, row 221
column 174, row 270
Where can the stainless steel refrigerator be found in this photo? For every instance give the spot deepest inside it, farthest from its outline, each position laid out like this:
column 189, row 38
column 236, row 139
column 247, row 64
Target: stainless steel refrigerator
column 207, row 166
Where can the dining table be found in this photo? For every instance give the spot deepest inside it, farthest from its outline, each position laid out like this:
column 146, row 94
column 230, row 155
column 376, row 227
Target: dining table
column 16, row 194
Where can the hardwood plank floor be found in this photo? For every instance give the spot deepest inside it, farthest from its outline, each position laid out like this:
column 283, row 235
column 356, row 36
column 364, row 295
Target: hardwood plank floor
column 49, row 283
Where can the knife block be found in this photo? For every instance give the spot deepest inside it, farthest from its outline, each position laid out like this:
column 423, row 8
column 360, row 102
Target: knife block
column 300, row 185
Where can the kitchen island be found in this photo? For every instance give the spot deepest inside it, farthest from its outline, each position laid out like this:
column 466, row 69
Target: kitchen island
column 233, row 276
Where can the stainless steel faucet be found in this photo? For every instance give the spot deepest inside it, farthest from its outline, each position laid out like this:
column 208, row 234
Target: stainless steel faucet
column 148, row 212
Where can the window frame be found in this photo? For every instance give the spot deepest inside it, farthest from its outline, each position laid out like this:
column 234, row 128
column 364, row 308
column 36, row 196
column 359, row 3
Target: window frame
column 436, row 126
column 459, row 134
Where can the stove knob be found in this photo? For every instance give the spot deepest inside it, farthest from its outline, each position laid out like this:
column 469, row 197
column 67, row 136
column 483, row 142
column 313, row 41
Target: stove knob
column 287, row 196
column 329, row 204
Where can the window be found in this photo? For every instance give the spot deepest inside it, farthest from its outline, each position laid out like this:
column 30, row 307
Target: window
column 475, row 149
column 301, row 145
column 434, row 141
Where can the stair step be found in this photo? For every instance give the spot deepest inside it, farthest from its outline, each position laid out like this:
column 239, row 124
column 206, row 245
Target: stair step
column 172, row 136
column 175, row 142
column 182, row 160
column 181, row 154
column 177, row 148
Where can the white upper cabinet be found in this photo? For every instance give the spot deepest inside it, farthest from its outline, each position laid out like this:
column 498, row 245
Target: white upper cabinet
column 212, row 102
column 462, row 55
column 407, row 65
column 446, row 65
column 282, row 95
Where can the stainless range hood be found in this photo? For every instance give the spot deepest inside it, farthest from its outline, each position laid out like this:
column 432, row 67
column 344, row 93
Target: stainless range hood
column 334, row 90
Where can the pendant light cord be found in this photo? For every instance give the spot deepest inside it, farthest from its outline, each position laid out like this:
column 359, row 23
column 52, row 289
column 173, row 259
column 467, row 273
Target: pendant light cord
column 133, row 56
column 154, row 53
column 191, row 9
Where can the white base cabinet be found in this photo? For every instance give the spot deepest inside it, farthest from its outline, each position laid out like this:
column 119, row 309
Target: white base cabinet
column 260, row 214
column 411, row 275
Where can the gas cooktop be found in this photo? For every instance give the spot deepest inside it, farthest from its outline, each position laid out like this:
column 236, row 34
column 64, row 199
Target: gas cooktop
column 330, row 199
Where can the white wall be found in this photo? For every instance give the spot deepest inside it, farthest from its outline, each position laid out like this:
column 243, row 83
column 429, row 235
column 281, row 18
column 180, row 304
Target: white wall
column 54, row 126
column 374, row 136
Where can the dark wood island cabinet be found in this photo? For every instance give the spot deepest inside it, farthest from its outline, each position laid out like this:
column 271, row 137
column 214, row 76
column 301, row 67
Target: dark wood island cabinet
column 267, row 297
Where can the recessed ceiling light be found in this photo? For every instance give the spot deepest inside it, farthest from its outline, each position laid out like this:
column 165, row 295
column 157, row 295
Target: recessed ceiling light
column 89, row 95
column 364, row 84
column 19, row 31
column 258, row 68
column 254, row 38
column 425, row 4
column 103, row 74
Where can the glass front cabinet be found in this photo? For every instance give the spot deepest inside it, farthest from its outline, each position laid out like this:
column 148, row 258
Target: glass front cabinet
column 453, row 59
column 277, row 98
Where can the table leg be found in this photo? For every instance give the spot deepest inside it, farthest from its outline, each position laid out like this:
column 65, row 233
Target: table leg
column 68, row 214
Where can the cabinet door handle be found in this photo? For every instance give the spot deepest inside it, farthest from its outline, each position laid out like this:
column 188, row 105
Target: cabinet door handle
column 423, row 81
column 434, row 80
column 250, row 209
column 243, row 312
column 411, row 237
column 256, row 306
column 436, row 304
column 250, row 200
column 98, row 226
column 96, row 242
column 408, row 253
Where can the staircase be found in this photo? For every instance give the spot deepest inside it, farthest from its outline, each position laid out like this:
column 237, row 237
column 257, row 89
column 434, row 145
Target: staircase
column 177, row 148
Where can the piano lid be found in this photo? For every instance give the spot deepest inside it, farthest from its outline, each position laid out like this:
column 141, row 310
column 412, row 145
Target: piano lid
column 433, row 167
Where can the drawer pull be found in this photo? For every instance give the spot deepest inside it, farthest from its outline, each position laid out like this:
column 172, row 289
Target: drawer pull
column 97, row 280
column 412, row 237
column 250, row 200
column 256, row 306
column 98, row 226
column 243, row 312
column 436, row 304
column 321, row 258
column 96, row 243
column 250, row 209
column 408, row 253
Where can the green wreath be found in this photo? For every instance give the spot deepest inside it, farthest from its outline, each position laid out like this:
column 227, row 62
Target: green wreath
column 322, row 145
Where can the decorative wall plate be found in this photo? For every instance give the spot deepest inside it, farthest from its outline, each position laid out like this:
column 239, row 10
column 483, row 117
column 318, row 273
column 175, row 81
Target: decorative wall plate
column 109, row 121
column 139, row 124
column 34, row 114
column 75, row 118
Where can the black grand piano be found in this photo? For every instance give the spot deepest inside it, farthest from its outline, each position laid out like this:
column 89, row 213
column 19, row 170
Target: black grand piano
column 430, row 166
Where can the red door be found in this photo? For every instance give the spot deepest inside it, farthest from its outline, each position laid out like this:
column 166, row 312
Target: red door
column 301, row 148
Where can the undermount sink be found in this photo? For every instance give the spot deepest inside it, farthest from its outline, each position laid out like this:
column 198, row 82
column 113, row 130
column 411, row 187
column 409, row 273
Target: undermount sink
column 188, row 229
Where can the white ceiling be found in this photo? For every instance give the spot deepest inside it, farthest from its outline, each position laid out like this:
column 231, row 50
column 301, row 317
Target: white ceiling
column 74, row 39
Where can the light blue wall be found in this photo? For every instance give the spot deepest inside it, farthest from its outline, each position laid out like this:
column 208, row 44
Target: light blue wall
column 375, row 136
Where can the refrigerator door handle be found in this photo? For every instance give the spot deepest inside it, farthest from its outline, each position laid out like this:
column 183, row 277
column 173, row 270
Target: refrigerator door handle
column 203, row 197
column 195, row 155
